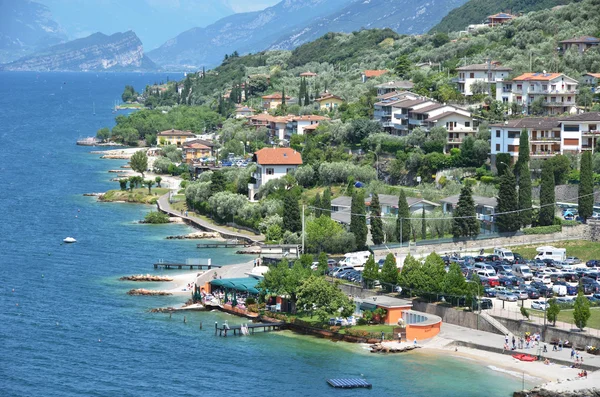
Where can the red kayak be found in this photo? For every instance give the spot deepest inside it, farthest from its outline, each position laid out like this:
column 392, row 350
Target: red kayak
column 524, row 357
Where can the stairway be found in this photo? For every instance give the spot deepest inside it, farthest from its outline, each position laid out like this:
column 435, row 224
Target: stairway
column 495, row 323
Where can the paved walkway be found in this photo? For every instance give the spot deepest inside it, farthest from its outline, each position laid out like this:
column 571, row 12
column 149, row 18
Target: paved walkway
column 165, row 206
column 496, row 342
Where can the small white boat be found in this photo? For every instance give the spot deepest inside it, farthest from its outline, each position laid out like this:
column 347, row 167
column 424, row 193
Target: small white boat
column 69, row 240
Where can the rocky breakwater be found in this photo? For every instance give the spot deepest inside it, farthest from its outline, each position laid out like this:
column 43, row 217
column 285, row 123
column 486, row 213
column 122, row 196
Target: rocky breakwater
column 578, row 386
column 254, row 250
column 146, row 277
column 392, row 348
column 195, row 236
column 147, row 292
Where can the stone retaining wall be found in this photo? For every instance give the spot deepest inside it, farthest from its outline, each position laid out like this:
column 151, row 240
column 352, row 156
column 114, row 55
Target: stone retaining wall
column 457, row 317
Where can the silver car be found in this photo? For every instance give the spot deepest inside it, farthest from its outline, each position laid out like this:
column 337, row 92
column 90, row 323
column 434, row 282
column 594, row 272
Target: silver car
column 507, row 296
column 538, row 305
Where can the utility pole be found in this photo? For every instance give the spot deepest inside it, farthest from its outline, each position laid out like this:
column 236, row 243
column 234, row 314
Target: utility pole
column 303, row 228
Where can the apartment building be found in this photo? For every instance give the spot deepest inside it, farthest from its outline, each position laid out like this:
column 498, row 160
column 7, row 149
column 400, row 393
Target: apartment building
column 392, row 86
column 272, row 163
column 296, row 124
column 593, row 80
column 488, row 73
column 547, row 136
column 582, row 43
column 557, row 91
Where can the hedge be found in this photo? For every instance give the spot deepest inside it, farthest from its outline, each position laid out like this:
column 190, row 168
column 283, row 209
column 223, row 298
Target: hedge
column 543, row 229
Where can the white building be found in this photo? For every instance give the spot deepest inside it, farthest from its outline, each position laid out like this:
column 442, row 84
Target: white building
column 593, row 80
column 557, row 91
column 393, row 86
column 272, row 163
column 488, row 73
column 295, row 124
column 547, row 136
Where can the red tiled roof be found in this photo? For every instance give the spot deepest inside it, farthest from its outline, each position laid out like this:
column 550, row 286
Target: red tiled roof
column 374, row 73
column 196, row 146
column 537, row 76
column 327, row 96
column 309, row 117
column 176, row 133
column 445, row 114
column 596, row 75
column 275, row 95
column 278, row 156
column 199, row 141
column 308, row 74
column 311, row 127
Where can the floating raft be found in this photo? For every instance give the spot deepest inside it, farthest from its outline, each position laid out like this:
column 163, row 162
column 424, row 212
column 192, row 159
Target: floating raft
column 349, row 383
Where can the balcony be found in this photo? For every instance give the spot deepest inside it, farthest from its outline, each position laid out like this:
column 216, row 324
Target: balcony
column 416, row 122
column 559, row 104
column 543, row 154
column 591, row 133
column 560, row 92
column 401, row 116
column 387, row 124
column 587, row 147
column 545, row 139
column 382, row 113
column 454, row 141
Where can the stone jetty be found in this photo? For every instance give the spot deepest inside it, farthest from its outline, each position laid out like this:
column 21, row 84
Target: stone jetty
column 147, row 292
column 146, row 277
column 396, row 348
column 195, row 236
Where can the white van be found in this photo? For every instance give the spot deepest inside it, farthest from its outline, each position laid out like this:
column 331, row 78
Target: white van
column 522, row 271
column 549, row 252
column 355, row 259
column 504, row 254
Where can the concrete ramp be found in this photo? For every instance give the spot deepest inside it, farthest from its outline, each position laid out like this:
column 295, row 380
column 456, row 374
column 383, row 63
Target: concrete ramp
column 495, row 323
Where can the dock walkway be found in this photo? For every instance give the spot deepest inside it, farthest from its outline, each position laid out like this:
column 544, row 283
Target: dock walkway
column 164, row 206
column 181, row 266
column 266, row 327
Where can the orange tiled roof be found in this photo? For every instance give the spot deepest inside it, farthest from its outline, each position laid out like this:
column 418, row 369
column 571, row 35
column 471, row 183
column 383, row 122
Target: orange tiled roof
column 537, row 76
column 596, row 75
column 308, row 74
column 311, row 127
column 275, row 95
column 309, row 117
column 176, row 133
column 374, row 73
column 328, row 96
column 196, row 146
column 278, row 156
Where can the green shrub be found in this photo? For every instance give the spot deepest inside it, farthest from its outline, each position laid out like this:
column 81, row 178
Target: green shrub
column 569, row 223
column 361, row 321
column 488, row 180
column 543, row 229
column 156, row 217
column 250, row 301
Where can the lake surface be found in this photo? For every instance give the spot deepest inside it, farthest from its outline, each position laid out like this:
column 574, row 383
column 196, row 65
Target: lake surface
column 67, row 327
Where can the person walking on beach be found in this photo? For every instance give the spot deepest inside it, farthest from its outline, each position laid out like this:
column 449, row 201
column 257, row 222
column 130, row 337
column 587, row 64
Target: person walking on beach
column 513, row 343
column 560, row 344
column 415, row 342
column 572, row 353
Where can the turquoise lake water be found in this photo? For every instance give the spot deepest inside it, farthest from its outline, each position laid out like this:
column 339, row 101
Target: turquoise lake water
column 69, row 329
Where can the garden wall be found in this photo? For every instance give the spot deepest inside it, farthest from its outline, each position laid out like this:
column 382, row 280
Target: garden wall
column 457, row 317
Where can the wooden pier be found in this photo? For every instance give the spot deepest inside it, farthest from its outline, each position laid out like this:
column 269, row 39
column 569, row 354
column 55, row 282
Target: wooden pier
column 224, row 244
column 184, row 266
column 266, row 327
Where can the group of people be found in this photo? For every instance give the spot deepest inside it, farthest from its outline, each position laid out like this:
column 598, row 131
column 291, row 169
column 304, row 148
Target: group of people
column 526, row 341
column 559, row 346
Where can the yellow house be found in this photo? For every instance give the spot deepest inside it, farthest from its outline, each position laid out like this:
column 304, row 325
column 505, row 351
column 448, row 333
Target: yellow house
column 328, row 101
column 273, row 101
column 197, row 149
column 173, row 137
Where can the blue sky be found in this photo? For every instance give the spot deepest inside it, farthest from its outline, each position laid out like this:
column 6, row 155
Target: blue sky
column 154, row 21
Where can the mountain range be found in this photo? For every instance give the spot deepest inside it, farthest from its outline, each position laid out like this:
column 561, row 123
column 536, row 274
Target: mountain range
column 26, row 26
column 293, row 22
column 97, row 52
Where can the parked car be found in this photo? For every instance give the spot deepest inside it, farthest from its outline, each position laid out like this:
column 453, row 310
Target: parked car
column 532, row 292
column 564, row 301
column 331, row 262
column 589, row 284
column 593, row 263
column 484, row 304
column 573, row 260
column 559, row 290
column 507, row 296
column 571, row 277
column 571, row 290
column 491, row 292
column 492, row 258
column 521, row 294
column 543, row 278
column 538, row 305
column 542, row 288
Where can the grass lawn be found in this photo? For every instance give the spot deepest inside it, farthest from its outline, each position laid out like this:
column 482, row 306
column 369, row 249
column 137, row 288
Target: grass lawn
column 139, row 195
column 134, row 105
column 566, row 316
column 376, row 328
column 584, row 250
column 308, row 195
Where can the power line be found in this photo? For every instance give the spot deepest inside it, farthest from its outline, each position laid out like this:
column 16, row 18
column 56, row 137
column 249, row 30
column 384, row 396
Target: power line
column 450, row 217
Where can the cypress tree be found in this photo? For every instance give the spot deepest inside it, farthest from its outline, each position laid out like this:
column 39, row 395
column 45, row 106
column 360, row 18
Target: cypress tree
column 547, row 198
column 376, row 221
column 358, row 220
column 508, row 220
column 403, row 220
column 326, row 203
column 291, row 213
column 370, row 272
column 318, row 207
column 464, row 221
column 283, row 97
column 586, row 186
column 524, row 193
column 301, row 92
column 306, row 97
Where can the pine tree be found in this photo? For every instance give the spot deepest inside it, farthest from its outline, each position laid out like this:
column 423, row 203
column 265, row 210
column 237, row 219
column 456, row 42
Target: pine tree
column 358, row 220
column 586, row 186
column 403, row 220
column 291, row 213
column 376, row 221
column 464, row 221
column 326, row 203
column 547, row 198
column 508, row 203
column 318, row 205
column 370, row 272
column 389, row 273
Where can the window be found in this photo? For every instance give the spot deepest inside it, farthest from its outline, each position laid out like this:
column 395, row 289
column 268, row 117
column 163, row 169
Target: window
column 288, row 170
column 270, row 171
column 497, row 147
column 519, row 86
column 497, row 133
column 571, row 128
column 467, row 124
column 593, row 127
column 571, row 142
column 472, row 75
column 514, row 134
column 553, row 87
column 545, row 87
